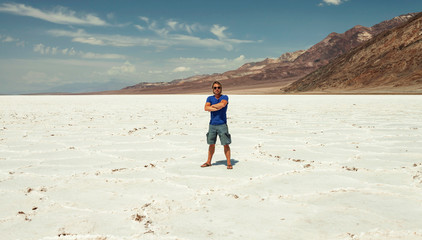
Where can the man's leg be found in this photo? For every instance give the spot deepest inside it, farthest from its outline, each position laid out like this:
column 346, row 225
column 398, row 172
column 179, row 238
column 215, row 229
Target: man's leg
column 211, row 139
column 227, row 153
column 211, row 150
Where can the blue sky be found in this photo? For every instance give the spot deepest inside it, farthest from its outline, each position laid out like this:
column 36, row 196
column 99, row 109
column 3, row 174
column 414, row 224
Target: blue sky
column 71, row 46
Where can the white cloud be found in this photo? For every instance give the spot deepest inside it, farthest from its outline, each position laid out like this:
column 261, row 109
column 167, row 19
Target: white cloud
column 219, row 31
column 8, row 39
column 122, row 41
column 332, row 2
column 89, row 40
column 40, row 48
column 181, row 69
column 72, row 52
column 166, row 37
column 139, row 27
column 189, row 28
column 45, row 50
column 174, row 33
column 100, row 39
column 212, row 61
column 90, row 55
column 145, row 19
column 177, row 68
column 59, row 15
column 54, row 50
column 240, row 58
column 188, row 40
column 210, row 65
column 172, row 24
column 126, row 69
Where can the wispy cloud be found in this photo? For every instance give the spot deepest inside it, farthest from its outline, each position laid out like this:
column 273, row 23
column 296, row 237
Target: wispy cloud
column 40, row 48
column 189, row 28
column 198, row 65
column 9, row 39
column 332, row 2
column 219, row 31
column 165, row 34
column 82, row 36
column 213, row 61
column 59, row 15
column 162, row 41
column 46, row 50
column 126, row 69
column 145, row 19
column 169, row 26
column 139, row 27
column 173, row 32
column 110, row 56
column 187, row 40
column 181, row 69
column 89, row 40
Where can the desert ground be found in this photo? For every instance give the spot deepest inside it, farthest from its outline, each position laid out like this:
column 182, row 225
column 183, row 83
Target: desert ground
column 128, row 167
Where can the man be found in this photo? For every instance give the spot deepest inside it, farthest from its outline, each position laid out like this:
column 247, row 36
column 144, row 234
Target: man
column 217, row 106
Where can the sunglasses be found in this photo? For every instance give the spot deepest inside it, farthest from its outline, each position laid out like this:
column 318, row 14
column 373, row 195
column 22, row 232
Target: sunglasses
column 217, row 87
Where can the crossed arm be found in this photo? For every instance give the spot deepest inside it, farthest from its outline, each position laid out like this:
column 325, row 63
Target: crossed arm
column 212, row 108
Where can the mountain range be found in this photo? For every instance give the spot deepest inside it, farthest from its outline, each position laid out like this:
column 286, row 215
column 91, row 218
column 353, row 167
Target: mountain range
column 390, row 62
column 384, row 58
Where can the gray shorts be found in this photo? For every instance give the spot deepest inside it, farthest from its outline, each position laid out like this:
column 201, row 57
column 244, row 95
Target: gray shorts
column 223, row 133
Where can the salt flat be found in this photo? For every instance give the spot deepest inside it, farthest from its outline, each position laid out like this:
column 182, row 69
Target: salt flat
column 127, row 167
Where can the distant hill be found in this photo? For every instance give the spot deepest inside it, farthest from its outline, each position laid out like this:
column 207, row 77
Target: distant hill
column 270, row 75
column 388, row 63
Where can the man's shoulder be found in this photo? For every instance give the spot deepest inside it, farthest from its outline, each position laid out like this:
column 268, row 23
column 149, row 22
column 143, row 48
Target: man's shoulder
column 213, row 98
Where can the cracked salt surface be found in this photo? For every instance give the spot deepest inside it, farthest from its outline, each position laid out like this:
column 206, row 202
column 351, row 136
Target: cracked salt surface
column 127, row 167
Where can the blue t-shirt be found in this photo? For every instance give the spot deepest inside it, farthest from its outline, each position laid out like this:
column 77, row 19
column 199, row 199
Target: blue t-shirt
column 218, row 117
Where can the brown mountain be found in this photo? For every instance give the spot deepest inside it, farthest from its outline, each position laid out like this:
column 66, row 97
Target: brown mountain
column 388, row 63
column 269, row 75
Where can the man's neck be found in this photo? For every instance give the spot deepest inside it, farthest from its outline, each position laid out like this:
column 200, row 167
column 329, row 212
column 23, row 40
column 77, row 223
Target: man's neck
column 217, row 96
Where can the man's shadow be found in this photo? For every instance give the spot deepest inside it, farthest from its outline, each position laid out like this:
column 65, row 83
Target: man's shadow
column 224, row 162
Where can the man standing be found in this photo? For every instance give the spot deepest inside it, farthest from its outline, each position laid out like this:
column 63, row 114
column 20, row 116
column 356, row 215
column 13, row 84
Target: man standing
column 217, row 106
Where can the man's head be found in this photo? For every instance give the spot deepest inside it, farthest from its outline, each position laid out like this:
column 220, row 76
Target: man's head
column 217, row 88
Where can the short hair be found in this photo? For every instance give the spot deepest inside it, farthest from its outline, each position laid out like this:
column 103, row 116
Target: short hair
column 216, row 82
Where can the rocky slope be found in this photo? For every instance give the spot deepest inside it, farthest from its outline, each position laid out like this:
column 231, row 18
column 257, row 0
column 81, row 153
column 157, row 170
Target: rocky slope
column 390, row 62
column 279, row 72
